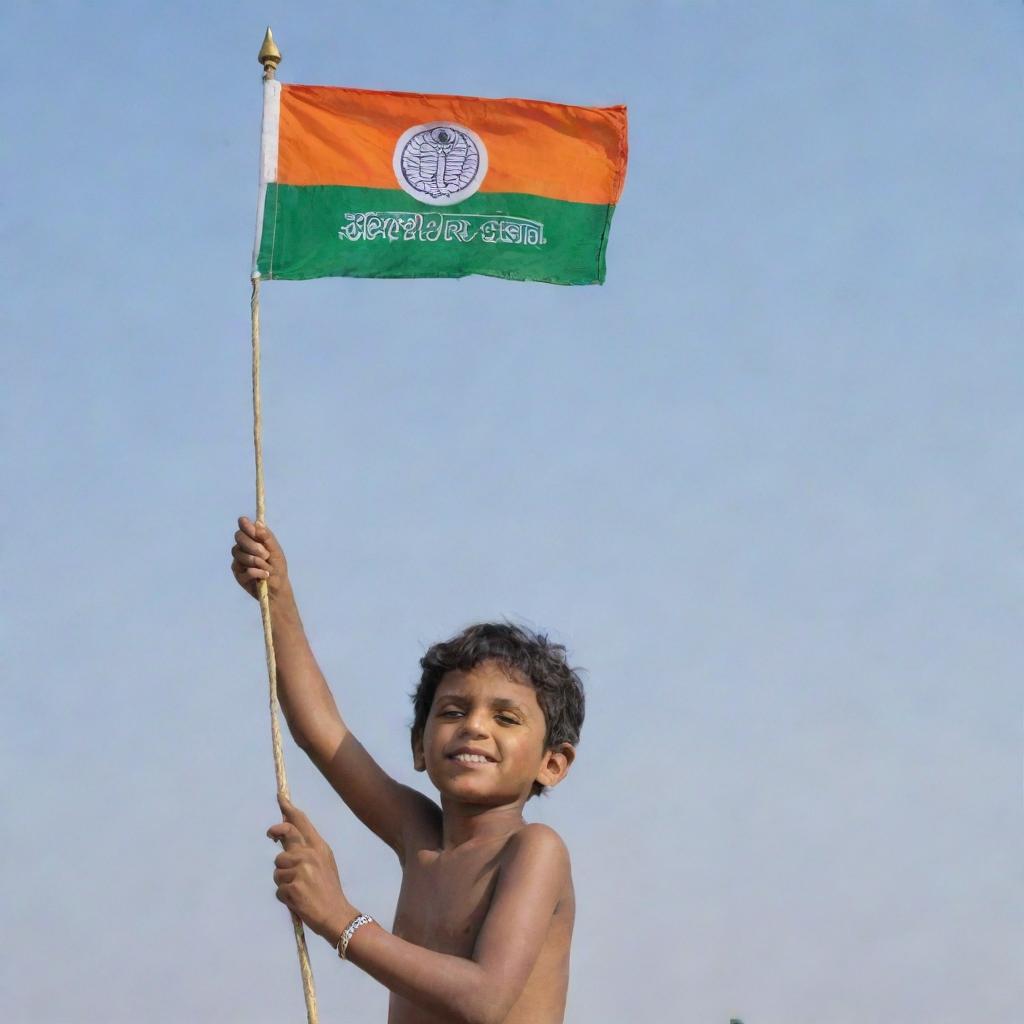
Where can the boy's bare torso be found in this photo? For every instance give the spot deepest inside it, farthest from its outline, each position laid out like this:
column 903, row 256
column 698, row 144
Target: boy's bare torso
column 443, row 902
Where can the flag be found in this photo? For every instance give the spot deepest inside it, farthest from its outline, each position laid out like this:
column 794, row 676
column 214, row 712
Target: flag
column 356, row 183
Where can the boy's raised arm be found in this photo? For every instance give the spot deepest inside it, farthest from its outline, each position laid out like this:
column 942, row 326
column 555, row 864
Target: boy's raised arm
column 384, row 805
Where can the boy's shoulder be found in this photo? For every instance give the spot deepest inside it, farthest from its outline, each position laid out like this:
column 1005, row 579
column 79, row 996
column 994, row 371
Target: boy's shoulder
column 536, row 835
column 536, row 871
column 537, row 848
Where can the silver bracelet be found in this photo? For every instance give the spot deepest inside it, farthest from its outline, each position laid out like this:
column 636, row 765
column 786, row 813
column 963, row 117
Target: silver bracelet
column 347, row 934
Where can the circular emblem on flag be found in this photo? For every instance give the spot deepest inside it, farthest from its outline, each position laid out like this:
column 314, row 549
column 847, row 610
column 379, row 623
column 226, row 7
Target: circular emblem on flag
column 440, row 163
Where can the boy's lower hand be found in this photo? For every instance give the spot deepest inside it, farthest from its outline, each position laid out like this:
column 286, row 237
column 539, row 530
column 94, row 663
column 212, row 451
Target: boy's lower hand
column 307, row 875
column 256, row 556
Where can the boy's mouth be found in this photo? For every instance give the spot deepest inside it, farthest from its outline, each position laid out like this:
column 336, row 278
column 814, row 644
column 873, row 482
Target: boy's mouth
column 471, row 757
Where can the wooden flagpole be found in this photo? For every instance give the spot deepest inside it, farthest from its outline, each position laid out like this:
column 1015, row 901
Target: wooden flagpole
column 270, row 57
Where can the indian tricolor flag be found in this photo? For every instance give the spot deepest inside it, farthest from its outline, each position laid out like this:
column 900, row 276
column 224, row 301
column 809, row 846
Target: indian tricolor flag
column 356, row 183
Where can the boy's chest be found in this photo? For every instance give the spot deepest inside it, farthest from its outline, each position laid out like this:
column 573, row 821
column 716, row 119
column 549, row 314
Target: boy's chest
column 445, row 897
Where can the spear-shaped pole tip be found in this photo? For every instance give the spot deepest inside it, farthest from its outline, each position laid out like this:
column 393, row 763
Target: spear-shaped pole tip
column 270, row 55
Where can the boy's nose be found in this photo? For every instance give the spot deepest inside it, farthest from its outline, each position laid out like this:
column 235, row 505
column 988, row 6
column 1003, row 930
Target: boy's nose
column 473, row 725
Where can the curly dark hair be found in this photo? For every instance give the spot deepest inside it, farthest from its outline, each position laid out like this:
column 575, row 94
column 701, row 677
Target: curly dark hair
column 558, row 687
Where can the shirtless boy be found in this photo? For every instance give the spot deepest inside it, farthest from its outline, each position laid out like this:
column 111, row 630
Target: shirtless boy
column 485, row 914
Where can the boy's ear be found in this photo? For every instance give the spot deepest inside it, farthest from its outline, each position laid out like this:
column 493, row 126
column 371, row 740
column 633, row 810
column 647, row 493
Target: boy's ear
column 419, row 762
column 556, row 764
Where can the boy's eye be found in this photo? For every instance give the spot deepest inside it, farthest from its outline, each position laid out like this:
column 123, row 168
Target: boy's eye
column 450, row 711
column 507, row 720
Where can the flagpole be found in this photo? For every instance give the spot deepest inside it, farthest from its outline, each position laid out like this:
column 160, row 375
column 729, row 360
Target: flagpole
column 270, row 57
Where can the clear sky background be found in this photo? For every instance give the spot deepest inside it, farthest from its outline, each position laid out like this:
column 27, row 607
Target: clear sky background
column 765, row 484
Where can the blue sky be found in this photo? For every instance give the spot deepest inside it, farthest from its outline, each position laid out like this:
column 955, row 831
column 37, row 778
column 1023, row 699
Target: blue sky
column 765, row 484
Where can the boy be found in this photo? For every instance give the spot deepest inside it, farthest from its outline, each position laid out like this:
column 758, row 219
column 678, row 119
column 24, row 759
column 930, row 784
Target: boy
column 485, row 914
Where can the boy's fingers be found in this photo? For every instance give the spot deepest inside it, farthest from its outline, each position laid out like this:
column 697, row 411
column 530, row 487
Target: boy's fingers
column 266, row 535
column 286, row 834
column 243, row 542
column 247, row 543
column 245, row 576
column 258, row 532
column 248, row 560
column 298, row 820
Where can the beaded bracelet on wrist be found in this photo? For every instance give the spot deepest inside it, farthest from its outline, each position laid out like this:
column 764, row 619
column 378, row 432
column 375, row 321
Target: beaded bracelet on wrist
column 347, row 934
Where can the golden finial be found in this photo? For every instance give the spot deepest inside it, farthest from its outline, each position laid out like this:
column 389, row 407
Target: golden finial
column 270, row 55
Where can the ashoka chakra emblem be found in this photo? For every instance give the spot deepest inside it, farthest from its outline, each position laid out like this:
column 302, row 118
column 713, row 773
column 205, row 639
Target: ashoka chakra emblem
column 440, row 163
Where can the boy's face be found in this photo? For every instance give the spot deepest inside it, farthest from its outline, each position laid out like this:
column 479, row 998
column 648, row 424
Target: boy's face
column 484, row 737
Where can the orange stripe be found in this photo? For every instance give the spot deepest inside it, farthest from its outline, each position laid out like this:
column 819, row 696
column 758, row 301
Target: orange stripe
column 332, row 136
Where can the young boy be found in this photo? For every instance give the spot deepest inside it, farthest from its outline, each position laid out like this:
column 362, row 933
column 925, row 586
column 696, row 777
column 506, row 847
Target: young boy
column 485, row 914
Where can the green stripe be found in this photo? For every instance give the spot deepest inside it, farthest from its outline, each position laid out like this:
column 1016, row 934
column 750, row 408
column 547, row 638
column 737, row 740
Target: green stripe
column 306, row 233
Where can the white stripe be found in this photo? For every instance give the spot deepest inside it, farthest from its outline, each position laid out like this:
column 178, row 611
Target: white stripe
column 268, row 155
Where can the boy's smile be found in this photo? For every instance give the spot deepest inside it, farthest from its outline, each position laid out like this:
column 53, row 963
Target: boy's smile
column 468, row 756
column 483, row 741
